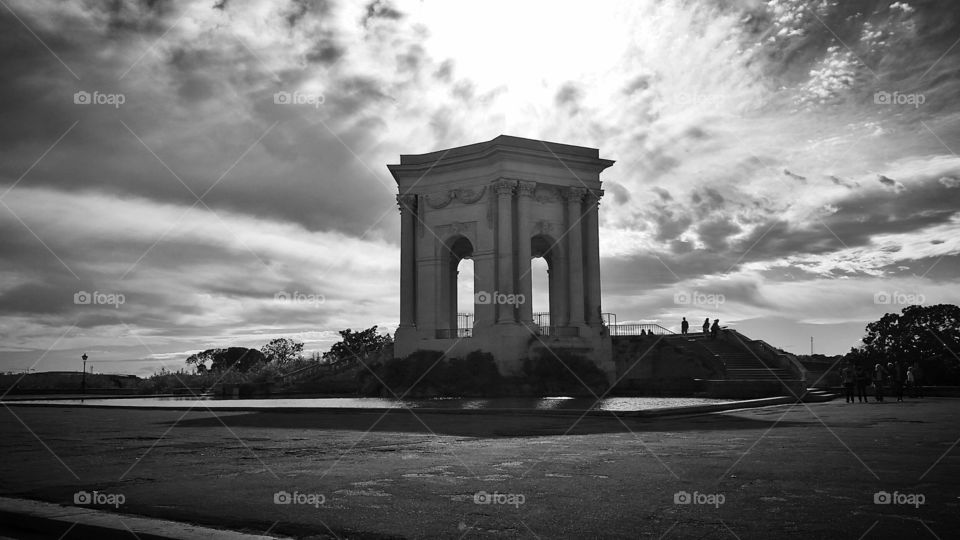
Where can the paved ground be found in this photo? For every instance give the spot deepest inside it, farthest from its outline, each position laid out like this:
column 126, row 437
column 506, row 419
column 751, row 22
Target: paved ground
column 783, row 472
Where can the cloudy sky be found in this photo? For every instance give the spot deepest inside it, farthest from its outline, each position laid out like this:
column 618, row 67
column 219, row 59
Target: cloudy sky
column 780, row 164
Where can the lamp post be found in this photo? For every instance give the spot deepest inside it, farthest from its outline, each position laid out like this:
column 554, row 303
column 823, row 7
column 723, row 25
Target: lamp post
column 83, row 379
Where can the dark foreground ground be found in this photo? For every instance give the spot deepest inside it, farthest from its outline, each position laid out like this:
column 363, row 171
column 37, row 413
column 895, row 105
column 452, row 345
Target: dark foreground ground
column 802, row 471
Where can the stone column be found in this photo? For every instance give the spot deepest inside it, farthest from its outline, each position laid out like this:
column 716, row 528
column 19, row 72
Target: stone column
column 485, row 271
column 504, row 190
column 575, row 298
column 525, row 280
column 592, row 256
column 408, row 260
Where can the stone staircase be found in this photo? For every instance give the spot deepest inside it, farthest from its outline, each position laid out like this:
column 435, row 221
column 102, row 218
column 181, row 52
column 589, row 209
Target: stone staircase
column 745, row 374
column 740, row 364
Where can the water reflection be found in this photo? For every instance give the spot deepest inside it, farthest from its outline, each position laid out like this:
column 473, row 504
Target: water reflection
column 529, row 404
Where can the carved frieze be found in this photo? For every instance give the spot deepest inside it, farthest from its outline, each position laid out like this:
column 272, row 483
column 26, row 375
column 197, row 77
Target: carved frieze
column 469, row 195
column 440, row 199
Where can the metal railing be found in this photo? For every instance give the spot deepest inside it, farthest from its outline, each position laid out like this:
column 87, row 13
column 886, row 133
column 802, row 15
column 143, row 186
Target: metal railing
column 542, row 327
column 558, row 331
column 639, row 329
column 454, row 333
column 464, row 328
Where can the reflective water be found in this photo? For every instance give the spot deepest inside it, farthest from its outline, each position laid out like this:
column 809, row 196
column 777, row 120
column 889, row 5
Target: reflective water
column 550, row 403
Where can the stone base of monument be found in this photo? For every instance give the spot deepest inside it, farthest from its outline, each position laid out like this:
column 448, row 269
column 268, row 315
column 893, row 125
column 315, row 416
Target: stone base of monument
column 512, row 344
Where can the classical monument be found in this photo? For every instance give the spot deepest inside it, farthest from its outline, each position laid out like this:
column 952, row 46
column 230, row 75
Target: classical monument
column 502, row 203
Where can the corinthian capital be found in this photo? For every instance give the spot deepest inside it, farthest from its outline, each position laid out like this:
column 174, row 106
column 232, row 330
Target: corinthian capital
column 526, row 188
column 574, row 194
column 504, row 187
column 594, row 196
column 407, row 202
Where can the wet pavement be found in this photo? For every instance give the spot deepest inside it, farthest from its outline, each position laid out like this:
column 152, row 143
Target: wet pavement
column 807, row 471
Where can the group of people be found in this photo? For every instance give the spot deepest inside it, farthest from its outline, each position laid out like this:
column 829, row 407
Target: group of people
column 712, row 330
column 895, row 376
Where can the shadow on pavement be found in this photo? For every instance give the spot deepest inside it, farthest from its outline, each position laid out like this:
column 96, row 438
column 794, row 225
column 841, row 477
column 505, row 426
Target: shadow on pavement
column 476, row 425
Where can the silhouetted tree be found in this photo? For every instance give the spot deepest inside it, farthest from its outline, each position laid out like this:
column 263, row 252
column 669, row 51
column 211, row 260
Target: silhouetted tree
column 282, row 350
column 929, row 335
column 240, row 359
column 357, row 346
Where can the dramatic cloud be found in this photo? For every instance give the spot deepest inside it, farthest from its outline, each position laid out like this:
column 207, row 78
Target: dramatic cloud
column 201, row 158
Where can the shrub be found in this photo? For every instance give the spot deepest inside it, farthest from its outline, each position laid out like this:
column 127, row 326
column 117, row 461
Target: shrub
column 429, row 372
column 563, row 372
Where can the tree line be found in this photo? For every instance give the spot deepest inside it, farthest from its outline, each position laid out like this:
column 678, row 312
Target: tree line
column 928, row 336
column 285, row 354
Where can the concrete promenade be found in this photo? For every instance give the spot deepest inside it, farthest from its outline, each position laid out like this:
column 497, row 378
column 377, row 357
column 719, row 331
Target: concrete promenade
column 787, row 471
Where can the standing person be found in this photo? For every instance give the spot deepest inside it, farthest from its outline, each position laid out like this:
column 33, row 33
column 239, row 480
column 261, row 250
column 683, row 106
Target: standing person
column 896, row 379
column 684, row 326
column 862, row 380
column 706, row 326
column 848, row 378
column 911, row 382
column 879, row 375
column 715, row 329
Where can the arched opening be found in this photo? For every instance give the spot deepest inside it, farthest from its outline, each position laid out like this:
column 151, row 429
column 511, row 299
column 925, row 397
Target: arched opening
column 459, row 288
column 540, row 285
column 465, row 296
column 548, row 306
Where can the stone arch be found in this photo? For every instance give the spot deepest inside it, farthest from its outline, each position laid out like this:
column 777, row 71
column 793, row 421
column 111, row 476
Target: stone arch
column 545, row 246
column 455, row 249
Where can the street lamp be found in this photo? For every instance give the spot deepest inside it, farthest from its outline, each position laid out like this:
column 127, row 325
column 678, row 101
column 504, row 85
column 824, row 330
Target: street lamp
column 83, row 380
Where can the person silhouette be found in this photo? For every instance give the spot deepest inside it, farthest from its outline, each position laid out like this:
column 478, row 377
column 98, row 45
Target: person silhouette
column 706, row 326
column 684, row 326
column 715, row 329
